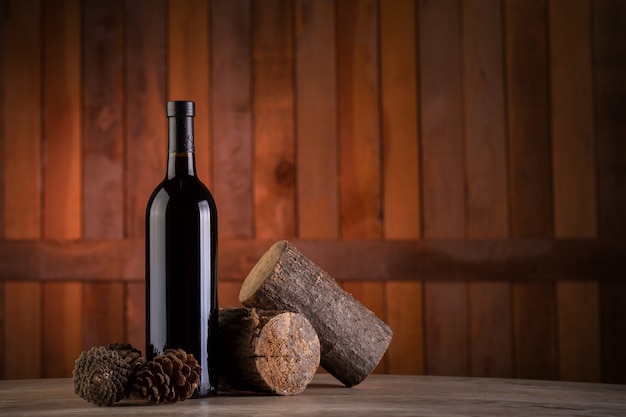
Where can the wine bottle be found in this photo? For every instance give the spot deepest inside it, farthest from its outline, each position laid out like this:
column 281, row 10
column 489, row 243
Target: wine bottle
column 181, row 255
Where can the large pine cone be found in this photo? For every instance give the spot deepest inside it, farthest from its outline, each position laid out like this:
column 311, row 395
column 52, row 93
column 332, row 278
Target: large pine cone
column 101, row 376
column 170, row 377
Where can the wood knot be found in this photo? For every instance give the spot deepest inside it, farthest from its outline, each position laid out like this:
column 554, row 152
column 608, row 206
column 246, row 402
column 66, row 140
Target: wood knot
column 285, row 173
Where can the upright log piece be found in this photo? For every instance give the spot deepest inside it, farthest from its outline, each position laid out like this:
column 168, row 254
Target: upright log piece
column 352, row 338
column 267, row 351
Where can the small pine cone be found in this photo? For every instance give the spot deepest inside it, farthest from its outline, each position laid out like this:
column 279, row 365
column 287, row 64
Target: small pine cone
column 170, row 377
column 101, row 376
column 131, row 355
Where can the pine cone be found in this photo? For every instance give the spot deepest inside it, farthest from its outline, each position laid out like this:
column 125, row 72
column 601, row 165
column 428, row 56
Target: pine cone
column 132, row 357
column 101, row 376
column 170, row 377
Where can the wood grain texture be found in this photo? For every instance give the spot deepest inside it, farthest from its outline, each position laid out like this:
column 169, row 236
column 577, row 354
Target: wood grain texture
column 103, row 309
column 578, row 314
column 62, row 165
column 491, row 332
column 371, row 295
column 571, row 97
column 62, row 327
column 446, row 328
column 229, row 294
column 487, row 212
column 21, row 89
column 135, row 314
column 273, row 98
column 574, row 182
column 534, row 330
column 189, row 71
column 498, row 124
column 359, row 127
column 404, row 314
column 397, row 395
column 3, row 18
column 231, row 94
column 316, row 116
column 527, row 83
column 436, row 260
column 103, row 110
column 613, row 328
column 399, row 107
column 22, row 333
column 145, row 124
column 443, row 160
column 609, row 65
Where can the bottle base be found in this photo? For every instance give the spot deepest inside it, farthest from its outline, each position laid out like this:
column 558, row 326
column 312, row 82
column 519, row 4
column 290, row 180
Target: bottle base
column 204, row 393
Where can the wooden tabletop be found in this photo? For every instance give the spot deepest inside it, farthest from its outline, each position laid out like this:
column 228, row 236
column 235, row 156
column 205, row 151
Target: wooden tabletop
column 378, row 395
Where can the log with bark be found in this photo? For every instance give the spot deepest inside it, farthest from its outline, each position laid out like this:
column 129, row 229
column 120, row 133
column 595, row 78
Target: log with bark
column 267, row 351
column 352, row 339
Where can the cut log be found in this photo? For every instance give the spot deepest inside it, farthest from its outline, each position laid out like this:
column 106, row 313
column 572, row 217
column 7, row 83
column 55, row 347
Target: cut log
column 267, row 351
column 352, row 339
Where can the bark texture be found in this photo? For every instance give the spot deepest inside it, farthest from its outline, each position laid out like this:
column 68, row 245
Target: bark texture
column 352, row 339
column 267, row 351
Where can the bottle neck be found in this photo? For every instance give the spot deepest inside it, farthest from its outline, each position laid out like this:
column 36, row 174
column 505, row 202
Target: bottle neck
column 181, row 159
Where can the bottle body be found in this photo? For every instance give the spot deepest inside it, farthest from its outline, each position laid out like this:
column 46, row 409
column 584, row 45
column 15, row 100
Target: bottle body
column 181, row 267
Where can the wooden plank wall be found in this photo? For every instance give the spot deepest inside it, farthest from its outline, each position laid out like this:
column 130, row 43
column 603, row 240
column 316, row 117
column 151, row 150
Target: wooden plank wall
column 458, row 165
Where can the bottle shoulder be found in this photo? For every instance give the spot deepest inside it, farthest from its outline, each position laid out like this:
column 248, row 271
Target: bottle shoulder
column 181, row 189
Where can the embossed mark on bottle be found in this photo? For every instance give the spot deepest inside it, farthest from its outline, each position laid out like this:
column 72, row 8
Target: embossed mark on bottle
column 189, row 143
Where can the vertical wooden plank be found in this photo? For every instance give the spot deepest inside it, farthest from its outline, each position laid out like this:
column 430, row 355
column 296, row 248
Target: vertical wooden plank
column 487, row 198
column 359, row 127
column 613, row 318
column 609, row 67
column 188, row 71
column 62, row 328
column 103, row 314
column 574, row 181
column 21, row 104
column 274, row 158
column 3, row 64
column 135, row 311
column 62, row 208
column 316, row 115
column 443, row 162
column 491, row 329
column 22, row 334
column 2, row 322
column 447, row 327
column 401, row 178
column 578, row 314
column 103, row 101
column 535, row 330
column 573, row 145
column 146, row 128
column 371, row 295
column 530, row 179
column 443, row 177
column 404, row 316
column 398, row 63
column 528, row 118
column 485, row 136
column 231, row 89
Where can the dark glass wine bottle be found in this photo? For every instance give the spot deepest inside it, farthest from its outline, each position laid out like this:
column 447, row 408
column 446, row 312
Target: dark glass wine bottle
column 181, row 256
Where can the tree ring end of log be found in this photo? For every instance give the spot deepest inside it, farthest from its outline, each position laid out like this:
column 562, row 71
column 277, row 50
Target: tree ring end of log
column 287, row 353
column 262, row 270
